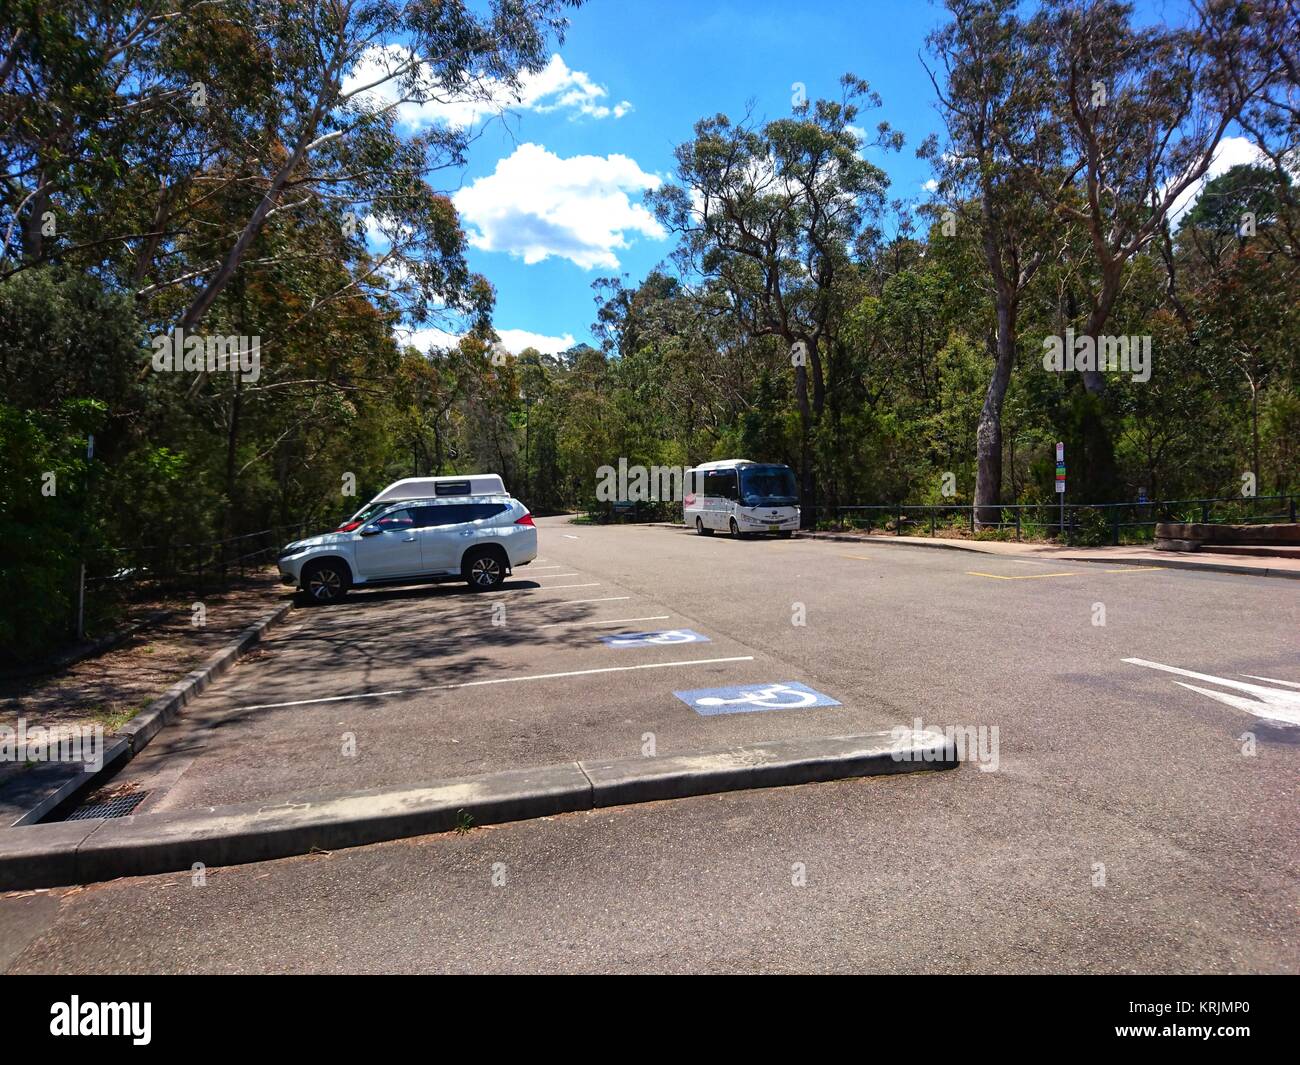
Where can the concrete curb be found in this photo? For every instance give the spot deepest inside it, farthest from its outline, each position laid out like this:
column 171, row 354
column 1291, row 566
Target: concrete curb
column 1163, row 563
column 133, row 737
column 1178, row 563
column 80, row 852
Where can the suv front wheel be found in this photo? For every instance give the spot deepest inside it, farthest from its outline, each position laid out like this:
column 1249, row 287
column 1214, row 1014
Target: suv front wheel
column 484, row 570
column 325, row 582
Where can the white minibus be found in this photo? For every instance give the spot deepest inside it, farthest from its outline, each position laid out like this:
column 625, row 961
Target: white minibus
column 740, row 496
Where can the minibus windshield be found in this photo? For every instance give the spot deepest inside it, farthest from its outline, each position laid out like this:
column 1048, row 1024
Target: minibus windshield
column 767, row 486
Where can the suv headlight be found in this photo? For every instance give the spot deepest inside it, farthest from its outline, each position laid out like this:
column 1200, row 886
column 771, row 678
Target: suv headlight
column 290, row 549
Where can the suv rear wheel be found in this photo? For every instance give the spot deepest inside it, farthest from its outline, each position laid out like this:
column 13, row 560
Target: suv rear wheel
column 325, row 582
column 484, row 569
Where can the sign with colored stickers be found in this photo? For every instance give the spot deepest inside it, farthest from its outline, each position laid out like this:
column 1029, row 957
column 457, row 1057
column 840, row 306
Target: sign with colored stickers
column 666, row 638
column 750, row 698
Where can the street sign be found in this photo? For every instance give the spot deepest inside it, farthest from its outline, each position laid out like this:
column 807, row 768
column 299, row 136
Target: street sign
column 1060, row 466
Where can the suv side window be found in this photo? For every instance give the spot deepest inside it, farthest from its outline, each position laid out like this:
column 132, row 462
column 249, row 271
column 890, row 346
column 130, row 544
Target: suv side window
column 448, row 514
column 398, row 519
column 483, row 511
column 457, row 513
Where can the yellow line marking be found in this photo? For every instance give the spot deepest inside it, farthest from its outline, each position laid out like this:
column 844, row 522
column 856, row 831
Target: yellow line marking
column 867, row 557
column 1071, row 573
column 1020, row 576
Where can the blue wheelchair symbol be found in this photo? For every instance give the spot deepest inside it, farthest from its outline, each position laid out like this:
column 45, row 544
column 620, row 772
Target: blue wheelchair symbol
column 749, row 698
column 666, row 638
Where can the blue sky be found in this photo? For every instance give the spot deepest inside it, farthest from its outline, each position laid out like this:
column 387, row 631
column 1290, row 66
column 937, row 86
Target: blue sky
column 547, row 223
column 552, row 196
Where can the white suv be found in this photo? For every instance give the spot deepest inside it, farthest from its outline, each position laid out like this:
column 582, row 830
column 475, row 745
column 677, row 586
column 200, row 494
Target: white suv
column 479, row 539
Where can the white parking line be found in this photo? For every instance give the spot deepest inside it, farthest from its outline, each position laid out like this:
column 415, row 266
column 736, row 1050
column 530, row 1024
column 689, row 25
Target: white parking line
column 607, row 599
column 568, row 536
column 534, row 569
column 495, row 680
column 613, row 621
column 557, row 587
column 564, row 575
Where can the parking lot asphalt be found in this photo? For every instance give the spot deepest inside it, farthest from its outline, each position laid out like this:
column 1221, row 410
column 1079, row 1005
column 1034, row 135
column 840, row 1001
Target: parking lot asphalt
column 1116, row 816
column 404, row 686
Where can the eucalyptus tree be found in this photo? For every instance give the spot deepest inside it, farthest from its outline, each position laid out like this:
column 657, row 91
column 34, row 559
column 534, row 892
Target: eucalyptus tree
column 172, row 133
column 996, row 149
column 1142, row 110
column 770, row 216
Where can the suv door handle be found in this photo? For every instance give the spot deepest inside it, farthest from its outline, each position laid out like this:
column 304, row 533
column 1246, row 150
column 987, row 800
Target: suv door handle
column 408, row 539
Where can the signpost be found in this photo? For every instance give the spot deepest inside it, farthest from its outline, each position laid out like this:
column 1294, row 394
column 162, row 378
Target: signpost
column 1060, row 479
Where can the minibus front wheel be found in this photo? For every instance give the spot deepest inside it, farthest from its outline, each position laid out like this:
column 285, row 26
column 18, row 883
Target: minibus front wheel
column 700, row 530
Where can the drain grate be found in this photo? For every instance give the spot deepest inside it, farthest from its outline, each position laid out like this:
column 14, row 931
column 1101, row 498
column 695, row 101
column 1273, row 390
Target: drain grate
column 117, row 807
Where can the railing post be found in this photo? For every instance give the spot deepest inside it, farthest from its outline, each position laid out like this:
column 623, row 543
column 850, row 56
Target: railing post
column 932, row 521
column 1114, row 539
column 1205, row 513
column 898, row 521
column 1017, row 522
column 1293, row 510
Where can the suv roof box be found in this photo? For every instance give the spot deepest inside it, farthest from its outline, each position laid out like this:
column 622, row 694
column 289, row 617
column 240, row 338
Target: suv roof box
column 471, row 484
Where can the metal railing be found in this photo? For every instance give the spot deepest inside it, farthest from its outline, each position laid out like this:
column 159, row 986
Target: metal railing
column 199, row 566
column 1112, row 521
column 632, row 512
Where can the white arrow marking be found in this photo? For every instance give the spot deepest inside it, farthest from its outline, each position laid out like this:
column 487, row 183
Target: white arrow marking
column 1272, row 704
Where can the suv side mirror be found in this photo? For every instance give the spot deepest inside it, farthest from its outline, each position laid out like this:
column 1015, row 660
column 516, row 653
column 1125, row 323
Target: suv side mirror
column 371, row 530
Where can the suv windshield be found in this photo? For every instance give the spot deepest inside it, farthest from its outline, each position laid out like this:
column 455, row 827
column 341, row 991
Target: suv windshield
column 767, row 486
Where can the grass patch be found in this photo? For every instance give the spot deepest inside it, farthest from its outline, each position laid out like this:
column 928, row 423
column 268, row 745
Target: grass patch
column 113, row 718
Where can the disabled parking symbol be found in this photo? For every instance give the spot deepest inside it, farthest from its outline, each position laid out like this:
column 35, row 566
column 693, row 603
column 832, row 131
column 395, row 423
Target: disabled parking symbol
column 665, row 638
column 749, row 698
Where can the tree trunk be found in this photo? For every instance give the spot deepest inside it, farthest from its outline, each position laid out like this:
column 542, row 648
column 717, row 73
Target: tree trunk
column 808, row 504
column 1098, row 476
column 988, row 438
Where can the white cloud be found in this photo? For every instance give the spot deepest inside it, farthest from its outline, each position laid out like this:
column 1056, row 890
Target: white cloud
column 536, row 205
column 514, row 340
column 930, row 185
column 1232, row 151
column 424, row 339
column 554, row 88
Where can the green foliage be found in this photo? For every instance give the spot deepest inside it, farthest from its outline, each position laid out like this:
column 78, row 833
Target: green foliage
column 47, row 522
